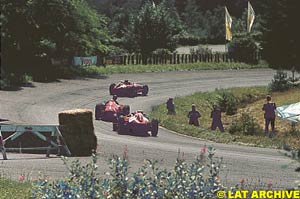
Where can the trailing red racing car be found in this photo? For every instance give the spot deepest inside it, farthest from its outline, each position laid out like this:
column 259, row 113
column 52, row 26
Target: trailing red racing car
column 110, row 111
column 128, row 89
column 137, row 124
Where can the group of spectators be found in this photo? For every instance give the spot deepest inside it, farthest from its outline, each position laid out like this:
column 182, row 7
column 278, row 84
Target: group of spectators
column 269, row 115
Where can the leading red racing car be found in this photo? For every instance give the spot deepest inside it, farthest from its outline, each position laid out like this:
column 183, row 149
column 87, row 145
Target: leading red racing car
column 128, row 89
column 110, row 111
column 137, row 124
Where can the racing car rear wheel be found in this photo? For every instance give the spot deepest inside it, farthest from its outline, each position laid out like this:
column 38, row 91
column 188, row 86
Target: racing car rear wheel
column 115, row 126
column 145, row 90
column 154, row 127
column 111, row 88
column 132, row 92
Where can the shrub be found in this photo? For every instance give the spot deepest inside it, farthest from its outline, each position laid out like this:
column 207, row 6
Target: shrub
column 190, row 40
column 280, row 82
column 200, row 50
column 227, row 102
column 246, row 125
column 161, row 52
column 184, row 181
column 243, row 49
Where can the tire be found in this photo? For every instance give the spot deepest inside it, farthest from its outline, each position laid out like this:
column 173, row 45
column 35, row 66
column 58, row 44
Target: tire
column 122, row 128
column 126, row 110
column 111, row 88
column 115, row 126
column 145, row 90
column 98, row 111
column 154, row 127
column 132, row 92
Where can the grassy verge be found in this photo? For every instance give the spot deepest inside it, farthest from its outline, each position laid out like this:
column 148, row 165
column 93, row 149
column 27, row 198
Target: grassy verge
column 250, row 101
column 14, row 190
column 112, row 69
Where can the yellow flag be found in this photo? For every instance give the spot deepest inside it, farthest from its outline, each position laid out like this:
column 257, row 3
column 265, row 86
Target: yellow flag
column 251, row 16
column 228, row 21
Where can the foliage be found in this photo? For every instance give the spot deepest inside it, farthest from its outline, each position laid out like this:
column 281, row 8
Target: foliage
column 155, row 27
column 280, row 82
column 200, row 50
column 190, row 40
column 243, row 48
column 13, row 189
column 279, row 22
column 113, row 69
column 34, row 31
column 161, row 52
column 207, row 24
column 227, row 102
column 246, row 125
column 199, row 179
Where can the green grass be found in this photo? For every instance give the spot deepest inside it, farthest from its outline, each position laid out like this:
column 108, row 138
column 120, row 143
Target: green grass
column 250, row 104
column 113, row 69
column 10, row 189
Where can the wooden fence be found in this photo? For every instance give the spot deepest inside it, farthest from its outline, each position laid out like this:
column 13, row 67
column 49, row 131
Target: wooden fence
column 174, row 59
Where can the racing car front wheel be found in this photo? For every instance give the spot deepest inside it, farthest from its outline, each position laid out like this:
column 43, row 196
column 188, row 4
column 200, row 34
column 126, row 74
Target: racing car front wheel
column 111, row 88
column 122, row 128
column 99, row 111
column 145, row 90
column 154, row 127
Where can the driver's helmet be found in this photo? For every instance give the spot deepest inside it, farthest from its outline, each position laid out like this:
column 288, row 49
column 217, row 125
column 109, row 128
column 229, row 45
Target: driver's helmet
column 115, row 97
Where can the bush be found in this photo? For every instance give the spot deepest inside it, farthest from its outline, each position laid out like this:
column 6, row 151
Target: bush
column 189, row 40
column 243, row 49
column 200, row 50
column 227, row 102
column 280, row 82
column 9, row 80
column 162, row 52
column 184, row 181
column 246, row 125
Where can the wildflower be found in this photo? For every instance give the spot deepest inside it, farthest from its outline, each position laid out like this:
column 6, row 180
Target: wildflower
column 21, row 178
column 242, row 181
column 269, row 184
column 203, row 149
column 125, row 151
column 105, row 193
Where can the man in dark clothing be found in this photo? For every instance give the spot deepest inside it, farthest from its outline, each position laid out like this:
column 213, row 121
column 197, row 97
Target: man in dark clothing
column 269, row 116
column 193, row 116
column 216, row 118
column 171, row 107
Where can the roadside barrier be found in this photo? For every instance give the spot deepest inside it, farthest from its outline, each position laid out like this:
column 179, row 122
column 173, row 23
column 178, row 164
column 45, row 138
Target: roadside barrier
column 48, row 133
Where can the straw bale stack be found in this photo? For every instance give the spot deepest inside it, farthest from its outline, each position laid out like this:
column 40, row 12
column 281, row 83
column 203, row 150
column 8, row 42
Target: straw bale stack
column 77, row 129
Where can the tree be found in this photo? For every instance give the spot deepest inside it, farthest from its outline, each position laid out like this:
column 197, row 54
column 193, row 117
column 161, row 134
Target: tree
column 33, row 31
column 281, row 37
column 154, row 28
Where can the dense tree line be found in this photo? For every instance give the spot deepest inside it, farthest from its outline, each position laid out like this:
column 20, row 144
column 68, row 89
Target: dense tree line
column 35, row 31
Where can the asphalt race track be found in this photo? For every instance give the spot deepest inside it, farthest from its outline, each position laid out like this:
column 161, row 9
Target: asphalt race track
column 41, row 102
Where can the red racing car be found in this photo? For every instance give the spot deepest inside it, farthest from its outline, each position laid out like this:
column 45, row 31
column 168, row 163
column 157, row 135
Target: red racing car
column 128, row 89
column 137, row 124
column 110, row 111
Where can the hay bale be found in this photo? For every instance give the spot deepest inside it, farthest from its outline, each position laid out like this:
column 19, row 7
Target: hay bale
column 77, row 129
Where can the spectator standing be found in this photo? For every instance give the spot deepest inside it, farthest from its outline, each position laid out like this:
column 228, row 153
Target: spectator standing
column 171, row 107
column 193, row 116
column 269, row 115
column 216, row 118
